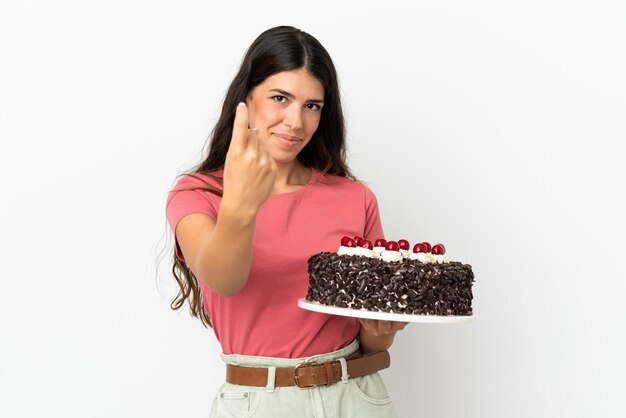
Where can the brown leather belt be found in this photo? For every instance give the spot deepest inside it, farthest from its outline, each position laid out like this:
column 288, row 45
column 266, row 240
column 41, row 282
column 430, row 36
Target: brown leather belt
column 306, row 375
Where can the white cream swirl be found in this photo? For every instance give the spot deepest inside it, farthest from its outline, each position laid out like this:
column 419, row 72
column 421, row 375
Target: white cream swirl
column 391, row 255
column 421, row 257
column 439, row 258
column 346, row 250
column 377, row 251
column 364, row 252
column 429, row 258
column 405, row 253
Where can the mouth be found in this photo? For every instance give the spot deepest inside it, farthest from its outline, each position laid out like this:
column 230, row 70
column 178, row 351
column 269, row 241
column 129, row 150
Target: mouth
column 287, row 141
column 288, row 138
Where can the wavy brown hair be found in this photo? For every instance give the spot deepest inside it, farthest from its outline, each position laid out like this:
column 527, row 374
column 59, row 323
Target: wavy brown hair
column 283, row 48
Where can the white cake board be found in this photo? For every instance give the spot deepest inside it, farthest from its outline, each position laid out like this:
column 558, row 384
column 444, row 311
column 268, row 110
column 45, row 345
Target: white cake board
column 385, row 316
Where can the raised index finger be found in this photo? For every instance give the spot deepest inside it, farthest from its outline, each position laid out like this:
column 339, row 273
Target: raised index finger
column 239, row 140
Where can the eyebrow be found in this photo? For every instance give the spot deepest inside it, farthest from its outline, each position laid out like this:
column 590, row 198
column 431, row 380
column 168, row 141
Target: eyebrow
column 291, row 96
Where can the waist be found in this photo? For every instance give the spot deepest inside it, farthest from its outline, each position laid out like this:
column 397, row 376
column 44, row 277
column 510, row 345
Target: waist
column 304, row 372
column 297, row 336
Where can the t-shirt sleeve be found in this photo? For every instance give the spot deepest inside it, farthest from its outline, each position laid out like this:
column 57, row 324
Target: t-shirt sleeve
column 184, row 200
column 373, row 226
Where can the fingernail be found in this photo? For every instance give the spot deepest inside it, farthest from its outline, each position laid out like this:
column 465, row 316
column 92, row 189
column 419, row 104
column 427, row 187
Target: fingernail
column 241, row 104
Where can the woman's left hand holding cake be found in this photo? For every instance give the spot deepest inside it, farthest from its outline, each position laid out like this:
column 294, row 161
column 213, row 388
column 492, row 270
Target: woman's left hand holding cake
column 378, row 335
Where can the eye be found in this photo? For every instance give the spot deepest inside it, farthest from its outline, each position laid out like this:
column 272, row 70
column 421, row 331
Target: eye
column 314, row 106
column 279, row 99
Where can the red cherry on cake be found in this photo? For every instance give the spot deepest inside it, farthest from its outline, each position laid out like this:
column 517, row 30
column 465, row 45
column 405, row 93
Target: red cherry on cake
column 367, row 244
column 392, row 246
column 403, row 244
column 438, row 249
column 358, row 240
column 419, row 248
column 347, row 242
column 428, row 247
column 380, row 243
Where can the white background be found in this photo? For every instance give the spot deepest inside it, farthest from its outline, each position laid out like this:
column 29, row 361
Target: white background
column 493, row 127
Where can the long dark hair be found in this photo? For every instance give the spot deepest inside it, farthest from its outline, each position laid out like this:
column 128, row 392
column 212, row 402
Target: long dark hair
column 282, row 48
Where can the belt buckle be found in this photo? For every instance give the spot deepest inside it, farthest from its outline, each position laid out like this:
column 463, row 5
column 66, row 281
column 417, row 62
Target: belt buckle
column 295, row 374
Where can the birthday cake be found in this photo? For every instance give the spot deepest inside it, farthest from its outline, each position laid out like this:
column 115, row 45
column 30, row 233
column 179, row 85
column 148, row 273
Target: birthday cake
column 386, row 277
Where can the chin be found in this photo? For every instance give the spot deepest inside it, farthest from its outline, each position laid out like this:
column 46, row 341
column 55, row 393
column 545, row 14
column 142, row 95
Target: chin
column 284, row 159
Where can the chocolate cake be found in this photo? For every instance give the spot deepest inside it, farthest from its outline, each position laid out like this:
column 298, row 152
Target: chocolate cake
column 386, row 277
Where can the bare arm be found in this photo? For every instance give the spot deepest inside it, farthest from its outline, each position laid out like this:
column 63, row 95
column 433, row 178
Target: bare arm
column 219, row 253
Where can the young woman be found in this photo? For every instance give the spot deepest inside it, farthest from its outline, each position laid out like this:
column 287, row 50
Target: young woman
column 274, row 190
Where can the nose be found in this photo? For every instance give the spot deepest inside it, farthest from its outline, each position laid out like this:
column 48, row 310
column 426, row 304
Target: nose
column 293, row 118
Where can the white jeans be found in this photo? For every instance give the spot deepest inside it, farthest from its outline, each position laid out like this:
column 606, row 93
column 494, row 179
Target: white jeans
column 362, row 397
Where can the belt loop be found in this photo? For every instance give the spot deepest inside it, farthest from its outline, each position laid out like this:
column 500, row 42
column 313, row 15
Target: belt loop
column 344, row 370
column 271, row 379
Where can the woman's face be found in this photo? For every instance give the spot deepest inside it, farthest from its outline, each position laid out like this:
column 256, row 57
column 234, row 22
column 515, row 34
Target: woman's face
column 286, row 109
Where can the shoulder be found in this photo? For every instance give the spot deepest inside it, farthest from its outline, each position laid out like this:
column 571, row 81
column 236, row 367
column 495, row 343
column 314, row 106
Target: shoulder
column 196, row 189
column 194, row 193
column 345, row 186
column 195, row 181
column 343, row 183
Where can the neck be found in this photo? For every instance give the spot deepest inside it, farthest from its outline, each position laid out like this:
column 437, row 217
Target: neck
column 291, row 177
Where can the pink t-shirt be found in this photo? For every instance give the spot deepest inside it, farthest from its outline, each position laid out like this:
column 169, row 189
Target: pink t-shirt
column 263, row 318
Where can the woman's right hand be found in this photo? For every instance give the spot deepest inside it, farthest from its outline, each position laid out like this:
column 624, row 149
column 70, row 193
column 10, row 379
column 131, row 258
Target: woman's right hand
column 249, row 170
column 219, row 251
